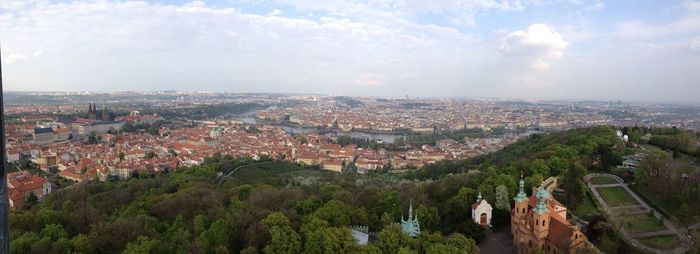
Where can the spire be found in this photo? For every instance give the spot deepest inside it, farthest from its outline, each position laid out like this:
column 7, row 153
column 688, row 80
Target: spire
column 521, row 197
column 410, row 211
column 479, row 198
column 541, row 207
column 89, row 108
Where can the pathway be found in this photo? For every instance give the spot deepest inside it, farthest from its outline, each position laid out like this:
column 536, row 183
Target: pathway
column 643, row 206
column 220, row 179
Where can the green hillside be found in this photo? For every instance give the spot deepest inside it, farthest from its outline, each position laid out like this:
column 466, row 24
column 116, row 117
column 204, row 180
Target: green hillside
column 282, row 208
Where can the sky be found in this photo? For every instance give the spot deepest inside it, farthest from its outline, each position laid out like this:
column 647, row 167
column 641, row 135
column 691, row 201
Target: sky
column 630, row 50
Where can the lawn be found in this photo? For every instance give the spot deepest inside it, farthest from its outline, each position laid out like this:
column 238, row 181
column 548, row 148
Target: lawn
column 616, row 196
column 642, row 223
column 657, row 199
column 602, row 180
column 586, row 207
column 661, row 242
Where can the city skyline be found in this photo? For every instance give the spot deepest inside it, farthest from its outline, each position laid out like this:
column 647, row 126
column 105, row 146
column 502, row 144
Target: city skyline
column 569, row 50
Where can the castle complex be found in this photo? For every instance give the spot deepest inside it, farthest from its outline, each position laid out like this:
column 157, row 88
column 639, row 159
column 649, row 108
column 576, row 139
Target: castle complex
column 100, row 114
column 539, row 222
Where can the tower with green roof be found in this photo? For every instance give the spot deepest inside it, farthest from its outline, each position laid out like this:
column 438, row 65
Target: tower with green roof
column 410, row 226
column 520, row 206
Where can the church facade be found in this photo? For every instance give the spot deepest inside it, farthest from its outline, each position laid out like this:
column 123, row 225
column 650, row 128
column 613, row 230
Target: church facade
column 481, row 211
column 539, row 222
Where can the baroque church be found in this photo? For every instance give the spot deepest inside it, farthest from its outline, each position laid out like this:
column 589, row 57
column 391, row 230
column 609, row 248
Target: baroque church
column 539, row 222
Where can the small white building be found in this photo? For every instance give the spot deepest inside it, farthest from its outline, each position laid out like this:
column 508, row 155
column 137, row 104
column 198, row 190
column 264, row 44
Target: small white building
column 481, row 212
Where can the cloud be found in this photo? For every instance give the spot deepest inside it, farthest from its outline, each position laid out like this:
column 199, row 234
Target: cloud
column 107, row 44
column 275, row 12
column 537, row 47
column 695, row 44
column 14, row 57
column 639, row 30
column 691, row 5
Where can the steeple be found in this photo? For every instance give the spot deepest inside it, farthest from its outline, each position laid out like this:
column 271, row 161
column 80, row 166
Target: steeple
column 410, row 211
column 541, row 195
column 521, row 197
column 479, row 198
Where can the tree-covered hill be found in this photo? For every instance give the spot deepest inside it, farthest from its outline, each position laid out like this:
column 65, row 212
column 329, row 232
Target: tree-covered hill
column 294, row 210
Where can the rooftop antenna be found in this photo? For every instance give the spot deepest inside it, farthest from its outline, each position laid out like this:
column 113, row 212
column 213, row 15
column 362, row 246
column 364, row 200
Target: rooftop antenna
column 4, row 222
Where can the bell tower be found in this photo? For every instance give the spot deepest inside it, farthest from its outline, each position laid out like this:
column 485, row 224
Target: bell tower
column 520, row 208
column 540, row 216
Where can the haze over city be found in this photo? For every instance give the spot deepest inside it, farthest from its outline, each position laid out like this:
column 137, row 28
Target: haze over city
column 600, row 50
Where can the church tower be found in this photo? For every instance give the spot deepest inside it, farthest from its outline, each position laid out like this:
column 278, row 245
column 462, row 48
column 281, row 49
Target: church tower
column 520, row 201
column 519, row 211
column 540, row 216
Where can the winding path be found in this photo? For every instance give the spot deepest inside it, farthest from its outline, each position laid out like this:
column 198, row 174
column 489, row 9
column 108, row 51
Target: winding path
column 220, row 179
column 641, row 208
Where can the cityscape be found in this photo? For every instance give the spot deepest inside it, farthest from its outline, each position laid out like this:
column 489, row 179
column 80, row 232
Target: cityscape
column 324, row 127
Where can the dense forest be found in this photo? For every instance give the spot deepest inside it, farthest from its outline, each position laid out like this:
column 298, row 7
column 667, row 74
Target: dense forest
column 286, row 208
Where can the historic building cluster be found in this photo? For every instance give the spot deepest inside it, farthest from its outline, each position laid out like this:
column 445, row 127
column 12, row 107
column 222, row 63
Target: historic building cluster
column 539, row 222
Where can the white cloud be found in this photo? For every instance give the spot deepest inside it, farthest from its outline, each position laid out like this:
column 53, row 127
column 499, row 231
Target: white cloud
column 638, row 30
column 14, row 57
column 537, row 47
column 695, row 44
column 275, row 12
column 104, row 42
column 692, row 5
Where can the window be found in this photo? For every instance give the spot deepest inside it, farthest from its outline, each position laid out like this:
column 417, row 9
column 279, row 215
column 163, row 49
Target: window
column 542, row 222
column 523, row 209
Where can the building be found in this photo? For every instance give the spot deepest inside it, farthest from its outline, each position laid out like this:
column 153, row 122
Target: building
column 481, row 211
column 43, row 136
column 539, row 222
column 100, row 127
column 100, row 114
column 410, row 226
column 361, row 234
column 21, row 184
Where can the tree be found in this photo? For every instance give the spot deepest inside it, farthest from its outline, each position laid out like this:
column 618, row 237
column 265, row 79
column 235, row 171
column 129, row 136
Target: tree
column 284, row 238
column 460, row 242
column 534, row 180
column 82, row 244
column 573, row 185
column 32, row 199
column 121, row 156
column 428, row 216
column 330, row 240
column 216, row 235
column 502, row 199
column 53, row 232
column 144, row 245
column 392, row 239
column 336, row 213
column 538, row 166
